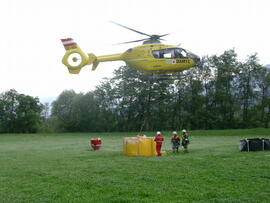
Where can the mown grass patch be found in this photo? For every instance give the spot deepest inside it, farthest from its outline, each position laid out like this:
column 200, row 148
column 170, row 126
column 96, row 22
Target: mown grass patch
column 62, row 168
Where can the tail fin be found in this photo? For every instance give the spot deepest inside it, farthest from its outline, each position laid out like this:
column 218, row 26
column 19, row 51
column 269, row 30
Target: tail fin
column 69, row 43
column 74, row 57
column 93, row 60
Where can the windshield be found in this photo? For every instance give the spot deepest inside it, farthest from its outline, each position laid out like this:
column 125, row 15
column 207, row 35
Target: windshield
column 190, row 54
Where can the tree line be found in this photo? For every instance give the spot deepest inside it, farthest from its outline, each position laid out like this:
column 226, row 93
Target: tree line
column 19, row 113
column 223, row 93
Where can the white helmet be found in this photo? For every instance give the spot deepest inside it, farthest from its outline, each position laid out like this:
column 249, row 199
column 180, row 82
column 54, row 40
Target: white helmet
column 184, row 131
column 158, row 133
column 174, row 132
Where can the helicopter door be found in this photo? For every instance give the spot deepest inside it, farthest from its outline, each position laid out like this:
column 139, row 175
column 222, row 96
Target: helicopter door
column 170, row 53
column 163, row 53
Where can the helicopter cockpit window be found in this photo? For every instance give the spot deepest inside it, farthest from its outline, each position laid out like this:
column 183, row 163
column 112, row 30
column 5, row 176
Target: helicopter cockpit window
column 170, row 53
column 180, row 53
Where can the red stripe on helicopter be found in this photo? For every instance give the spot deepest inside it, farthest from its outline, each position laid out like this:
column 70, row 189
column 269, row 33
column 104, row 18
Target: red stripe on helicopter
column 67, row 39
column 70, row 44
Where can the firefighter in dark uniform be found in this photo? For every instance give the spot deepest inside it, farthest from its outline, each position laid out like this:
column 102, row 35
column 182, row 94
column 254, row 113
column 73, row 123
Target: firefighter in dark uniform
column 158, row 139
column 175, row 140
column 185, row 140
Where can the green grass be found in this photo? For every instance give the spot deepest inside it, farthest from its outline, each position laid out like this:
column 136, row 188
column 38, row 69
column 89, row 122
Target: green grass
column 61, row 168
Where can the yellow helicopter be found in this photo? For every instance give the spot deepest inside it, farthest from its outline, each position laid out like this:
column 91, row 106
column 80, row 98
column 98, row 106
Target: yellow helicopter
column 150, row 57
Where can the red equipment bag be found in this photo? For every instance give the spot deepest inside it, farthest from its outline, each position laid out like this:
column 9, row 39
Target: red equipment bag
column 95, row 143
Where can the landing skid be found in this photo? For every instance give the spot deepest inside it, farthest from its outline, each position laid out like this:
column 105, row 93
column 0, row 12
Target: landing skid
column 172, row 76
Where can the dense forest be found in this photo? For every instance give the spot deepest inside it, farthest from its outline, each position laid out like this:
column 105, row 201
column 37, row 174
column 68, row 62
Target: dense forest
column 223, row 93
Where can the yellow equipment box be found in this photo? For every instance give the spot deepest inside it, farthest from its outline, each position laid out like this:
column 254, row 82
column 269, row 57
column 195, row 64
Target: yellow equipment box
column 139, row 146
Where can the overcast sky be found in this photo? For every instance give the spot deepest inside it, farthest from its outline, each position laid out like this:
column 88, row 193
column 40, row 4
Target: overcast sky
column 31, row 50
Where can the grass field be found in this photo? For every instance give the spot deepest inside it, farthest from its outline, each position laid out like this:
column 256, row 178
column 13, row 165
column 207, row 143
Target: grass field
column 62, row 168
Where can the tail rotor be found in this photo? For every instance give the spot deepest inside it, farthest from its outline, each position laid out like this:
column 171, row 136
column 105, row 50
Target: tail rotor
column 74, row 58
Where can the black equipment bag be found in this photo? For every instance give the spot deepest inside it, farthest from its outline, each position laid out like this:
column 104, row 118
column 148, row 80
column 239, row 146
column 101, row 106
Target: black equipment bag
column 254, row 144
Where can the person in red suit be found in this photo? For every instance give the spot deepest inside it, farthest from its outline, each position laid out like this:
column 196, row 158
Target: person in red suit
column 158, row 139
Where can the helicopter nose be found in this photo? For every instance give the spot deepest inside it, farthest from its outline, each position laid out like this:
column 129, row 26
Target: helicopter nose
column 196, row 59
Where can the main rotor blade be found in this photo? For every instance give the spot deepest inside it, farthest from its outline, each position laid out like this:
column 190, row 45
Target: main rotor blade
column 130, row 29
column 132, row 41
column 164, row 35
